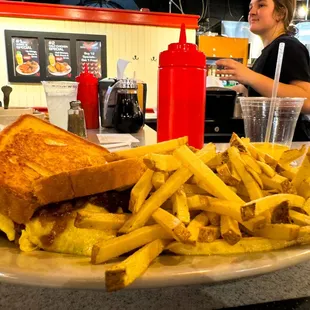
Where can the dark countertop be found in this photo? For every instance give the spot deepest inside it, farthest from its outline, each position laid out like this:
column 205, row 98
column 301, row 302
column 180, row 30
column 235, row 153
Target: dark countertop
column 288, row 283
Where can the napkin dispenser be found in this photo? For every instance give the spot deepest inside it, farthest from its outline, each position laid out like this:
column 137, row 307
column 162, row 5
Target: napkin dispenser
column 107, row 109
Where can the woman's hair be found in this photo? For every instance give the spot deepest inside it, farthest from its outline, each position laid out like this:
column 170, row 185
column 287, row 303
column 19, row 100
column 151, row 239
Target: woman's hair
column 286, row 8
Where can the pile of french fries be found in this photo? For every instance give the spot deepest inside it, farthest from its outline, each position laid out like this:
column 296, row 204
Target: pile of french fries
column 200, row 202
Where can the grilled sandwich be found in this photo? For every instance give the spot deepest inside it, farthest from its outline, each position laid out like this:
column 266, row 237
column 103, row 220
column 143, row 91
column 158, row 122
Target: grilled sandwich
column 42, row 164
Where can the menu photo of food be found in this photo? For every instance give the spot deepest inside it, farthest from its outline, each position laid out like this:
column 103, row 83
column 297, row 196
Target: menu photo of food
column 26, row 56
column 89, row 57
column 58, row 58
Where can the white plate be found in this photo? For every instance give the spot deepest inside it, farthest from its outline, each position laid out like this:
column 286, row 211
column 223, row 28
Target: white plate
column 21, row 73
column 67, row 271
column 61, row 73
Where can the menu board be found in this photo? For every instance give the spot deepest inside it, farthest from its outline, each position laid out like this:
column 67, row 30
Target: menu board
column 25, row 56
column 58, row 58
column 89, row 56
column 33, row 57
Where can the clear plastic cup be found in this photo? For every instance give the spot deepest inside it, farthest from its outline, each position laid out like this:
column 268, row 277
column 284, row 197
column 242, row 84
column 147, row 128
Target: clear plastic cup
column 255, row 111
column 58, row 98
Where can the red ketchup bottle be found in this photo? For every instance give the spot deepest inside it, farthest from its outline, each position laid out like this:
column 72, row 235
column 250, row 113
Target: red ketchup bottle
column 181, row 92
column 88, row 95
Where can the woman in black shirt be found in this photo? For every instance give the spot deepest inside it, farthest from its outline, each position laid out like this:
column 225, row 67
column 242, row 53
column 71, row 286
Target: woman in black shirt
column 270, row 19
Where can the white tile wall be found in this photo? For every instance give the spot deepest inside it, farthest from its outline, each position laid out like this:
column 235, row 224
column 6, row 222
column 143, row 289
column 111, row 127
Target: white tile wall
column 123, row 41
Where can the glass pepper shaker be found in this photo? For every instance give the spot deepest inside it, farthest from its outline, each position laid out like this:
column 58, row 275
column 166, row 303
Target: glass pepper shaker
column 76, row 119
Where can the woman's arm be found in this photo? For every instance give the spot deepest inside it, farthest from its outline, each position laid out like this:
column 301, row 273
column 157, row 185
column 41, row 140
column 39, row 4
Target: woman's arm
column 262, row 84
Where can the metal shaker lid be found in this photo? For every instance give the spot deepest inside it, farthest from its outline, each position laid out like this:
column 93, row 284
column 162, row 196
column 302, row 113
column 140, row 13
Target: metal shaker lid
column 75, row 104
column 127, row 83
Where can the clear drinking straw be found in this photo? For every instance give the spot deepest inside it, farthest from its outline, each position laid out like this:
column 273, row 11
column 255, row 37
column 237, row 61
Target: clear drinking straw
column 275, row 90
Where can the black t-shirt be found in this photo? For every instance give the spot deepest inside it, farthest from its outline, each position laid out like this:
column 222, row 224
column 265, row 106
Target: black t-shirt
column 295, row 67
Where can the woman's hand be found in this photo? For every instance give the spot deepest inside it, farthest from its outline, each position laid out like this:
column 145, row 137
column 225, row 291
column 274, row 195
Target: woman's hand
column 235, row 70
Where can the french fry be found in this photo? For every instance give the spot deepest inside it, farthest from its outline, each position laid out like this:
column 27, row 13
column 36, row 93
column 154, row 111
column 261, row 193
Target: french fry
column 255, row 176
column 266, row 169
column 274, row 215
column 160, row 162
column 230, row 231
column 257, row 207
column 172, row 225
column 249, row 182
column 101, row 221
column 254, row 152
column 123, row 274
column 261, row 156
column 278, row 182
column 140, row 191
column 215, row 185
column 303, row 172
column 255, row 223
column 108, row 249
column 280, row 214
column 268, row 216
column 226, row 176
column 251, row 162
column 269, row 192
column 238, row 143
column 307, row 206
column 216, row 161
column 139, row 219
column 167, row 205
column 304, row 235
column 162, row 147
column 214, row 218
column 208, row 233
column 290, row 155
column 234, row 172
column 180, row 207
column 234, row 189
column 299, row 218
column 7, row 226
column 193, row 189
column 174, row 182
column 278, row 231
column 219, row 159
column 242, row 191
column 159, row 178
column 201, row 185
column 219, row 206
column 246, row 141
column 209, row 150
column 246, row 199
column 304, row 188
column 286, row 171
column 91, row 207
column 221, row 247
column 199, row 221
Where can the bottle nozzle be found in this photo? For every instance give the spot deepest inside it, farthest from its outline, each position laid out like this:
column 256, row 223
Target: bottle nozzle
column 182, row 39
column 86, row 68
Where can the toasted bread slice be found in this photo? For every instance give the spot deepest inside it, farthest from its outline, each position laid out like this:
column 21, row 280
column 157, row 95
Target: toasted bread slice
column 34, row 152
column 48, row 149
